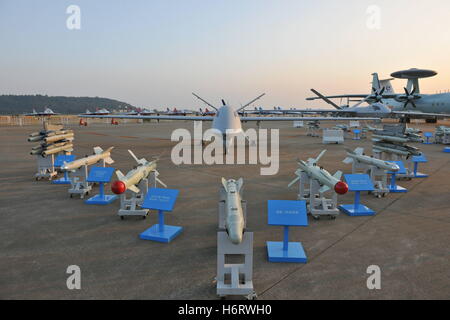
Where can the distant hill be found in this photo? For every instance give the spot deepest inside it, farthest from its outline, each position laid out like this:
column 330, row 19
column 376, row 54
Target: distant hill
column 19, row 104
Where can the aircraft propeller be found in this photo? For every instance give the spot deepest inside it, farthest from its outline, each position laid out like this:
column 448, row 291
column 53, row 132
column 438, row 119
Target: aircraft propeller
column 409, row 97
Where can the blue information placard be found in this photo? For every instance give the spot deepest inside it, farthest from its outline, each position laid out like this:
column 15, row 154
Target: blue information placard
column 422, row 158
column 401, row 166
column 160, row 199
column 100, row 174
column 428, row 134
column 287, row 213
column 59, row 161
column 359, row 182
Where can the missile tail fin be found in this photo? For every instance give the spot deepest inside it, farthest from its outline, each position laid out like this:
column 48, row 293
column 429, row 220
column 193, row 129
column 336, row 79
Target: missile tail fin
column 348, row 160
column 133, row 155
column 293, row 181
column 359, row 151
column 224, row 183
column 338, row 175
column 313, row 161
column 240, row 182
column 134, row 189
column 139, row 161
column 120, row 175
column 109, row 160
column 98, row 150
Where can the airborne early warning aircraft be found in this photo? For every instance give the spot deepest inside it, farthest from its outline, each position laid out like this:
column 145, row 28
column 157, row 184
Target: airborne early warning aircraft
column 227, row 122
column 384, row 102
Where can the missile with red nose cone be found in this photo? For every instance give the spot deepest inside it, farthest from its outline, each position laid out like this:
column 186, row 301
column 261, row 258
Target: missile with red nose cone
column 133, row 177
column 326, row 180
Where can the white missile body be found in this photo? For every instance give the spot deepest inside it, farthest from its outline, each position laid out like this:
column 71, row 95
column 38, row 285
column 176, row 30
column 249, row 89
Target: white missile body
column 326, row 180
column 358, row 156
column 234, row 215
column 58, row 137
column 66, row 147
column 133, row 177
column 99, row 154
column 376, row 137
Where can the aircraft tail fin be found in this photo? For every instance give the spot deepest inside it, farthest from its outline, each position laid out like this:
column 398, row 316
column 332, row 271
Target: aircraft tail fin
column 375, row 82
column 386, row 83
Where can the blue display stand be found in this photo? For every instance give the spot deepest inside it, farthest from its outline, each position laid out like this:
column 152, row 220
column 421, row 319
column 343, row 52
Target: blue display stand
column 286, row 213
column 161, row 200
column 447, row 149
column 59, row 161
column 393, row 187
column 416, row 160
column 357, row 183
column 101, row 175
column 357, row 134
column 427, row 136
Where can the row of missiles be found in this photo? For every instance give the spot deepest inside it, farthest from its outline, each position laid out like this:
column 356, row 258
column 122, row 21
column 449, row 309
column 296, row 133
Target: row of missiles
column 333, row 182
column 53, row 139
column 124, row 182
column 394, row 138
column 234, row 216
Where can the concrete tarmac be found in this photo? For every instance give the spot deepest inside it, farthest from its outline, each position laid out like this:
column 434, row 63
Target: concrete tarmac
column 43, row 231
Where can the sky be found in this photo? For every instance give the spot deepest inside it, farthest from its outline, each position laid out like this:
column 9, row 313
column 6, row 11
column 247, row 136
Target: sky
column 154, row 53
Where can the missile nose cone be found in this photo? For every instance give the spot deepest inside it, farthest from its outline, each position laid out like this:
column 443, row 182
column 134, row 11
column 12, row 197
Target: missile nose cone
column 237, row 239
column 341, row 188
column 118, row 187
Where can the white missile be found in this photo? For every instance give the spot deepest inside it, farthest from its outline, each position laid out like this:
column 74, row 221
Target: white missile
column 99, row 154
column 358, row 155
column 376, row 137
column 66, row 147
column 133, row 177
column 58, row 137
column 234, row 216
column 326, row 180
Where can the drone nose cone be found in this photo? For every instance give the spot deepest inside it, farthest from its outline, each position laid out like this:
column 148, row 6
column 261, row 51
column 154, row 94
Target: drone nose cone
column 118, row 187
column 341, row 188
